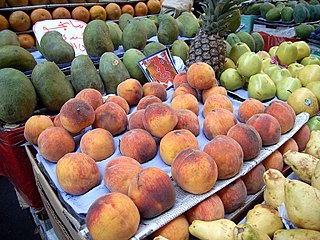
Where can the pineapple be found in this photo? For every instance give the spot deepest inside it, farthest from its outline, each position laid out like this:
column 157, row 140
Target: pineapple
column 209, row 46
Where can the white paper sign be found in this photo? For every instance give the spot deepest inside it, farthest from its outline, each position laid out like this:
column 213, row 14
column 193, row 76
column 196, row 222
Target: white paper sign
column 71, row 30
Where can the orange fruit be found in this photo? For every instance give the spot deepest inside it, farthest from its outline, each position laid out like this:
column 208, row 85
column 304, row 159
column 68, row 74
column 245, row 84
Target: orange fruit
column 58, row 1
column 26, row 40
column 127, row 8
column 76, row 1
column 4, row 24
column 17, row 3
column 113, row 11
column 61, row 12
column 19, row 21
column 38, row 2
column 40, row 14
column 97, row 12
column 140, row 9
column 154, row 6
column 81, row 13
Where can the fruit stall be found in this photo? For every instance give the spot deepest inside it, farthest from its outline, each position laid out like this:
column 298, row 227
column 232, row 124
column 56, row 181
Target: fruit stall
column 139, row 124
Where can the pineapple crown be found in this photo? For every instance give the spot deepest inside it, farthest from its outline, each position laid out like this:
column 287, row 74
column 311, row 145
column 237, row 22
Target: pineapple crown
column 217, row 15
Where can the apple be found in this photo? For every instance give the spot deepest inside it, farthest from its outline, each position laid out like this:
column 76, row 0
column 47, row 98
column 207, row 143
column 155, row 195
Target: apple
column 231, row 79
column 309, row 74
column 287, row 53
column 295, row 68
column 279, row 74
column 272, row 51
column 237, row 50
column 303, row 49
column 286, row 86
column 265, row 62
column 315, row 88
column 249, row 64
column 261, row 87
column 270, row 68
column 263, row 54
column 310, row 60
column 314, row 123
column 228, row 63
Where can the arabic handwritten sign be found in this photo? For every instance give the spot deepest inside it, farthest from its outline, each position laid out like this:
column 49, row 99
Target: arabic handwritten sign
column 71, row 30
column 159, row 67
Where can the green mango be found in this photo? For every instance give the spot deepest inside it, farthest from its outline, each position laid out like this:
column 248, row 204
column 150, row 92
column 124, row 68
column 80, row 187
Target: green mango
column 150, row 26
column 130, row 60
column 134, row 35
column 115, row 34
column 168, row 30
column 8, row 37
column 181, row 49
column 188, row 25
column 152, row 48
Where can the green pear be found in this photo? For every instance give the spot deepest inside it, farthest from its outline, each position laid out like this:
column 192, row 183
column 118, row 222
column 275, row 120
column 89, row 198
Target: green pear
column 286, row 86
column 303, row 49
column 263, row 54
column 279, row 74
column 237, row 50
column 249, row 64
column 294, row 69
column 265, row 62
column 270, row 68
column 315, row 88
column 272, row 51
column 303, row 100
column 310, row 60
column 287, row 53
column 231, row 79
column 309, row 74
column 228, row 63
column 261, row 87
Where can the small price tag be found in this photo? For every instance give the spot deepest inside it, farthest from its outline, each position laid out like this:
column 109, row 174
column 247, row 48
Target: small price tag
column 71, row 30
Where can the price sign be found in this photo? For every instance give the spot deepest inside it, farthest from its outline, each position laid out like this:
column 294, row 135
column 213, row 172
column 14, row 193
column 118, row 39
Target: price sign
column 71, row 30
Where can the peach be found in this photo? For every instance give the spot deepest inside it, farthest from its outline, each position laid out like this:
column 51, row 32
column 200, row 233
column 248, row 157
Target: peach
column 188, row 120
column 135, row 120
column 115, row 212
column 34, row 126
column 91, row 96
column 111, row 117
column 183, row 89
column 185, row 101
column 217, row 101
column 174, row 142
column 131, row 90
column 77, row 173
column 254, row 179
column 54, row 143
column 194, row 171
column 218, row 122
column 138, row 144
column 57, row 123
column 248, row 108
column 267, row 126
column 228, row 155
column 290, row 144
column 179, row 79
column 233, row 196
column 302, row 137
column 284, row 113
column 119, row 173
column 213, row 90
column 147, row 100
column 274, row 161
column 159, row 119
column 76, row 114
column 209, row 209
column 152, row 191
column 201, row 76
column 177, row 229
column 97, row 143
column 248, row 138
column 155, row 89
column 120, row 101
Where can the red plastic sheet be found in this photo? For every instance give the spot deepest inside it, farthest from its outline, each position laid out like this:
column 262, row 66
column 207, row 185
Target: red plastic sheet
column 16, row 166
column 270, row 41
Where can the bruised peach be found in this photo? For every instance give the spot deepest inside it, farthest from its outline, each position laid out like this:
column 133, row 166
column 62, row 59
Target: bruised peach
column 111, row 117
column 217, row 101
column 248, row 138
column 194, row 171
column 97, row 143
column 77, row 173
column 174, row 142
column 152, row 191
column 188, row 120
column 201, row 76
column 131, row 90
column 248, row 108
column 92, row 96
column 302, row 137
column 209, row 209
column 218, row 122
column 213, row 90
column 185, row 101
column 34, row 126
column 290, row 144
column 54, row 143
column 179, row 79
column 147, row 100
column 228, row 155
column 120, row 101
column 119, row 173
column 274, row 161
column 159, row 119
column 76, row 114
column 183, row 89
column 155, row 89
column 254, row 179
column 138, row 144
